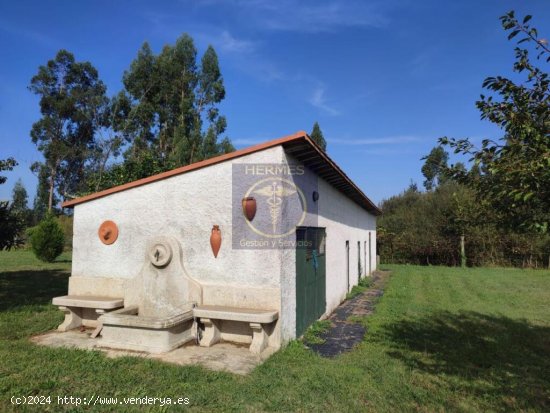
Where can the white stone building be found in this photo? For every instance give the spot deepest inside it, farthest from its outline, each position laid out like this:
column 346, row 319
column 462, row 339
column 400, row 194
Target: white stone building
column 302, row 283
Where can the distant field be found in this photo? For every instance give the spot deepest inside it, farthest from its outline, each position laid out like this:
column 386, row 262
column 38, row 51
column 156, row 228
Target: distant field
column 24, row 259
column 441, row 339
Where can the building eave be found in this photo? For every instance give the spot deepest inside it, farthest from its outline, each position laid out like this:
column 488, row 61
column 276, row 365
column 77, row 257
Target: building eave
column 299, row 145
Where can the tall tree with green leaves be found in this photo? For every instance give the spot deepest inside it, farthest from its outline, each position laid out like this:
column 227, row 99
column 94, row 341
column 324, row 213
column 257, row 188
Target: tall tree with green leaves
column 11, row 224
column 317, row 136
column 169, row 108
column 514, row 172
column 72, row 98
column 6, row 165
column 435, row 167
column 41, row 198
column 20, row 200
column 20, row 204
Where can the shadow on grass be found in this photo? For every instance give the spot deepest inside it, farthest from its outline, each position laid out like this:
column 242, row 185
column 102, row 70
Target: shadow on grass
column 21, row 288
column 494, row 357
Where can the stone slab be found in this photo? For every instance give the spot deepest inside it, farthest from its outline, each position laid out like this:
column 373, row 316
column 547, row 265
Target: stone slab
column 128, row 318
column 223, row 356
column 248, row 315
column 89, row 301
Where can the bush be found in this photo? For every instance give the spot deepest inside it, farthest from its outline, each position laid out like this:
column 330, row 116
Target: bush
column 11, row 225
column 47, row 239
column 426, row 227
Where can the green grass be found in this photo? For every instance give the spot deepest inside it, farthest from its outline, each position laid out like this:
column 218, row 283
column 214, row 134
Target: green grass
column 23, row 259
column 441, row 339
column 315, row 331
column 364, row 284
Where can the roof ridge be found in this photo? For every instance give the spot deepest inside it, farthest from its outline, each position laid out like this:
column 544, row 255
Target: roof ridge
column 299, row 135
column 187, row 168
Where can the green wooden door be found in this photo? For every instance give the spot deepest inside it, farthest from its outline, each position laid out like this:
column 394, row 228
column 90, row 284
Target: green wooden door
column 310, row 277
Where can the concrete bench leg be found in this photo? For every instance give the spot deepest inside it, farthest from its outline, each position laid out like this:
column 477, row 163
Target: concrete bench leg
column 211, row 333
column 99, row 326
column 259, row 338
column 73, row 318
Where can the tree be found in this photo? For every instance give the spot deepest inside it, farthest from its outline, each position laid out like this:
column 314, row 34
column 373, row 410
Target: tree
column 6, row 165
column 108, row 142
column 167, row 100
column 41, row 198
column 513, row 173
column 11, row 223
column 317, row 136
column 72, row 100
column 20, row 201
column 434, row 169
column 210, row 91
column 448, row 226
column 20, row 198
column 47, row 239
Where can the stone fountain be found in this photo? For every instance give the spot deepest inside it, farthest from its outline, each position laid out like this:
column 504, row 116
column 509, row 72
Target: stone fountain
column 159, row 301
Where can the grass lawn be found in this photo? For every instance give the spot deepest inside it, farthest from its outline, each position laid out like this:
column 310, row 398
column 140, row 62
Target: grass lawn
column 442, row 339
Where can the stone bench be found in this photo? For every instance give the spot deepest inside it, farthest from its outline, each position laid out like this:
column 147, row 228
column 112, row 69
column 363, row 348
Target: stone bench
column 257, row 319
column 74, row 307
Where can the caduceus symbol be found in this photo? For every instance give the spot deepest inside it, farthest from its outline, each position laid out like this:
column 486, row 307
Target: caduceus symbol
column 275, row 193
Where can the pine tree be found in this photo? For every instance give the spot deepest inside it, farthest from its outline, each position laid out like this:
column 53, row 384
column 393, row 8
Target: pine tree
column 20, row 201
column 11, row 224
column 20, row 198
column 41, row 198
column 317, row 136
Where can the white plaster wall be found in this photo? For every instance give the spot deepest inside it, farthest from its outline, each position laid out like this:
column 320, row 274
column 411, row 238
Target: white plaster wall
column 186, row 207
column 288, row 294
column 344, row 220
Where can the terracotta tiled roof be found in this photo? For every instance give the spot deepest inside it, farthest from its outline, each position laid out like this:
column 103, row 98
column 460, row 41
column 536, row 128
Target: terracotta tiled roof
column 298, row 145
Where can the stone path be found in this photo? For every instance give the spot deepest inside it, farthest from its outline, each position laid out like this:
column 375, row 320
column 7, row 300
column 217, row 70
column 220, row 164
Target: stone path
column 345, row 334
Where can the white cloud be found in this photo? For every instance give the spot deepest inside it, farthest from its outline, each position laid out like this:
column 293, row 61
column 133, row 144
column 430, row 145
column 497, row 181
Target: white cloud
column 318, row 100
column 391, row 151
column 228, row 43
column 222, row 40
column 34, row 36
column 245, row 141
column 389, row 140
column 309, row 15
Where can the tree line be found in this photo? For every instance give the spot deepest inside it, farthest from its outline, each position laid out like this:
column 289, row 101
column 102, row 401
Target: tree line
column 494, row 208
column 448, row 225
column 166, row 116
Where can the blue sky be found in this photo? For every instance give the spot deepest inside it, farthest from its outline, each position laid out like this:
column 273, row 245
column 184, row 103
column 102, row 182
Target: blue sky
column 384, row 79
